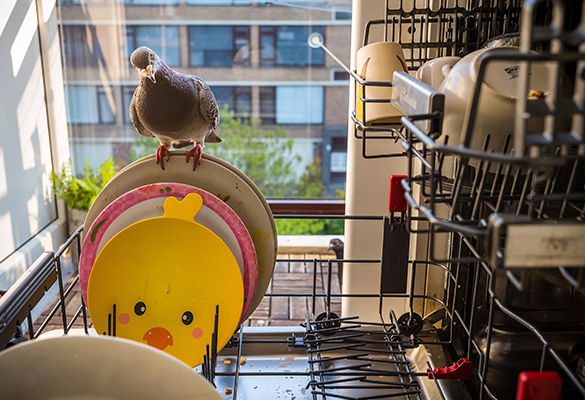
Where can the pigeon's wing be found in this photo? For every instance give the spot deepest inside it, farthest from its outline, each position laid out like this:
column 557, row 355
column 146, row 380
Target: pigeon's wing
column 207, row 103
column 135, row 121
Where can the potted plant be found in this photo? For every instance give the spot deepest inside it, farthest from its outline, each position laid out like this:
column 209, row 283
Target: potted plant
column 80, row 193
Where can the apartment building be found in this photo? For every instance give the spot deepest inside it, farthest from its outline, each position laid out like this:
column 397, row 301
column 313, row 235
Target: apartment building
column 254, row 55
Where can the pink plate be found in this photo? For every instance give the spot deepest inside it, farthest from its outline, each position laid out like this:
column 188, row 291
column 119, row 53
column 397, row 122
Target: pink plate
column 146, row 202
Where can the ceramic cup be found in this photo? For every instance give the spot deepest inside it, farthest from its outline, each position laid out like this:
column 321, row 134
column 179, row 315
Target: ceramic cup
column 497, row 102
column 434, row 72
column 383, row 58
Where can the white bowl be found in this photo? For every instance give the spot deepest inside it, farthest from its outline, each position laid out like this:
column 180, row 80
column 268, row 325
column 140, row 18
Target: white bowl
column 497, row 101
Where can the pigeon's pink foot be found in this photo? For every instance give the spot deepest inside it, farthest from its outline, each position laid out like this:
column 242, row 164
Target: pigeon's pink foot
column 160, row 155
column 197, row 153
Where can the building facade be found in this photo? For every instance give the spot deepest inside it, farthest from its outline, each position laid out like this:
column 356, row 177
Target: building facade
column 255, row 57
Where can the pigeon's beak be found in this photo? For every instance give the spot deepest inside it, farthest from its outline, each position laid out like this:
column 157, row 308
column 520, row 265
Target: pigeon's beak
column 148, row 72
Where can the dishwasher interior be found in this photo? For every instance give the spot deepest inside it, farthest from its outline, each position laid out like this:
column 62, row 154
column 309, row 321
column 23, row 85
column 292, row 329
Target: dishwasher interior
column 503, row 230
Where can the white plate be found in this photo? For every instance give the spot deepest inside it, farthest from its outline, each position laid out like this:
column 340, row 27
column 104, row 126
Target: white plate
column 216, row 177
column 86, row 367
column 147, row 202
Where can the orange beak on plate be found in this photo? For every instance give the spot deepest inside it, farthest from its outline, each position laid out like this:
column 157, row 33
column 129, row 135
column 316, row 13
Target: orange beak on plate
column 158, row 337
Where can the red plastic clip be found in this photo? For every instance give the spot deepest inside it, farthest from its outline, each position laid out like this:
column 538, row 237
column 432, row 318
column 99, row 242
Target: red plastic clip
column 396, row 200
column 461, row 370
column 546, row 385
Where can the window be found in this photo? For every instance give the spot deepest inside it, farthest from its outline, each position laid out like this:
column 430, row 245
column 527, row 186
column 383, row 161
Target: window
column 237, row 99
column 77, row 49
column 89, row 105
column 299, row 104
column 287, row 46
column 127, row 93
column 151, row 2
column 163, row 40
column 268, row 104
column 219, row 46
column 218, row 2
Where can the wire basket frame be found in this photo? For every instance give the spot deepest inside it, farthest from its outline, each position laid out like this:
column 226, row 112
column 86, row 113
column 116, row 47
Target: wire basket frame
column 429, row 29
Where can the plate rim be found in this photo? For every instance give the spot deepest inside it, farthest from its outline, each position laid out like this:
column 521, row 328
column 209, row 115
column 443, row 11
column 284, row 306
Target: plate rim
column 89, row 247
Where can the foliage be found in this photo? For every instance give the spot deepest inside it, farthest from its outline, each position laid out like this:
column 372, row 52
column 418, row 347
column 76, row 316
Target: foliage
column 266, row 157
column 142, row 147
column 81, row 193
column 311, row 186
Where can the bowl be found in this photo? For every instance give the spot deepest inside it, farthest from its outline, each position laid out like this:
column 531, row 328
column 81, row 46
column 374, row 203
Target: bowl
column 496, row 107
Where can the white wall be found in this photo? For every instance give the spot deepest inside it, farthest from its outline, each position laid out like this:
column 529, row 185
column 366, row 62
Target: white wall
column 33, row 134
column 367, row 192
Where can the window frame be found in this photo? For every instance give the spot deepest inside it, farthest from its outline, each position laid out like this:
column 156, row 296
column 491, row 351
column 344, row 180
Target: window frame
column 273, row 31
column 161, row 54
column 234, row 50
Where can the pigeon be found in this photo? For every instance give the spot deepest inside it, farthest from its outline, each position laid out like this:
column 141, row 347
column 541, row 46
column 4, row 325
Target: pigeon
column 178, row 109
column 337, row 246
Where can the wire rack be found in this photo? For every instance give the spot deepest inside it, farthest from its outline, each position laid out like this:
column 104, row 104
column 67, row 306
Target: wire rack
column 512, row 216
column 429, row 29
column 344, row 358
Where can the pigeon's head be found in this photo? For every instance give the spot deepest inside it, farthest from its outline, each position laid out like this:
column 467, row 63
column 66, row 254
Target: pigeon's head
column 146, row 62
column 337, row 246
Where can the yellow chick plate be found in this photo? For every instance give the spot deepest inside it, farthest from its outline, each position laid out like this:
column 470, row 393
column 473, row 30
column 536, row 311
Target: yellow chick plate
column 159, row 280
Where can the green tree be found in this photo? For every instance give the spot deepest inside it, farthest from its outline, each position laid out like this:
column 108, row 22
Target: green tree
column 266, row 157
column 311, row 186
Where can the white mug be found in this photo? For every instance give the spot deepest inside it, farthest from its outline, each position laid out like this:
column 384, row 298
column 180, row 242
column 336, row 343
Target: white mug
column 434, row 72
column 382, row 58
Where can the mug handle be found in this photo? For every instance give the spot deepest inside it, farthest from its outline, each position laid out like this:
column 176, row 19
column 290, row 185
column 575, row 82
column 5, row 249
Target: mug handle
column 445, row 70
column 424, row 74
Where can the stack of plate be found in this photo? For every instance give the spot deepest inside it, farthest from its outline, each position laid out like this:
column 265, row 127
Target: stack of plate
column 213, row 248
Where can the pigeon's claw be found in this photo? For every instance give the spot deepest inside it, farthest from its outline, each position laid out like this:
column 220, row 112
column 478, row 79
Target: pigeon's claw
column 160, row 155
column 196, row 152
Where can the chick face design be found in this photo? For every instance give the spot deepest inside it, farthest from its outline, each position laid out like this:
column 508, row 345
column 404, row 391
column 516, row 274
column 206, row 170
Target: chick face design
column 159, row 281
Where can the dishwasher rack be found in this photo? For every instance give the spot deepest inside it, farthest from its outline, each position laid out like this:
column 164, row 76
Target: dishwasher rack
column 428, row 29
column 335, row 357
column 491, row 207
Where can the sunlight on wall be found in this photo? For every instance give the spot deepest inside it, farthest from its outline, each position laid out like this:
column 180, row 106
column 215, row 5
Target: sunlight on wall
column 48, row 7
column 32, row 118
column 24, row 37
column 32, row 206
column 7, row 242
column 7, row 7
column 3, row 182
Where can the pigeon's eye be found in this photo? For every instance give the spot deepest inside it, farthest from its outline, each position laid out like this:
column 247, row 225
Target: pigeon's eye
column 150, row 55
column 140, row 308
column 187, row 317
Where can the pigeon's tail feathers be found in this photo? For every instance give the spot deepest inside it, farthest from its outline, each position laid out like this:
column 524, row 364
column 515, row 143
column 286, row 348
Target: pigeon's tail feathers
column 181, row 144
column 212, row 137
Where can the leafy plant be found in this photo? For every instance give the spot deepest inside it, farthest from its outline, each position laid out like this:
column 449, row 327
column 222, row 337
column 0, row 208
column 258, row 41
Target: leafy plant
column 80, row 193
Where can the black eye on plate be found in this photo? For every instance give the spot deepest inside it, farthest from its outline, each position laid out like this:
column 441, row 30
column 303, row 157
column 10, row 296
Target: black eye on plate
column 187, row 317
column 140, row 308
